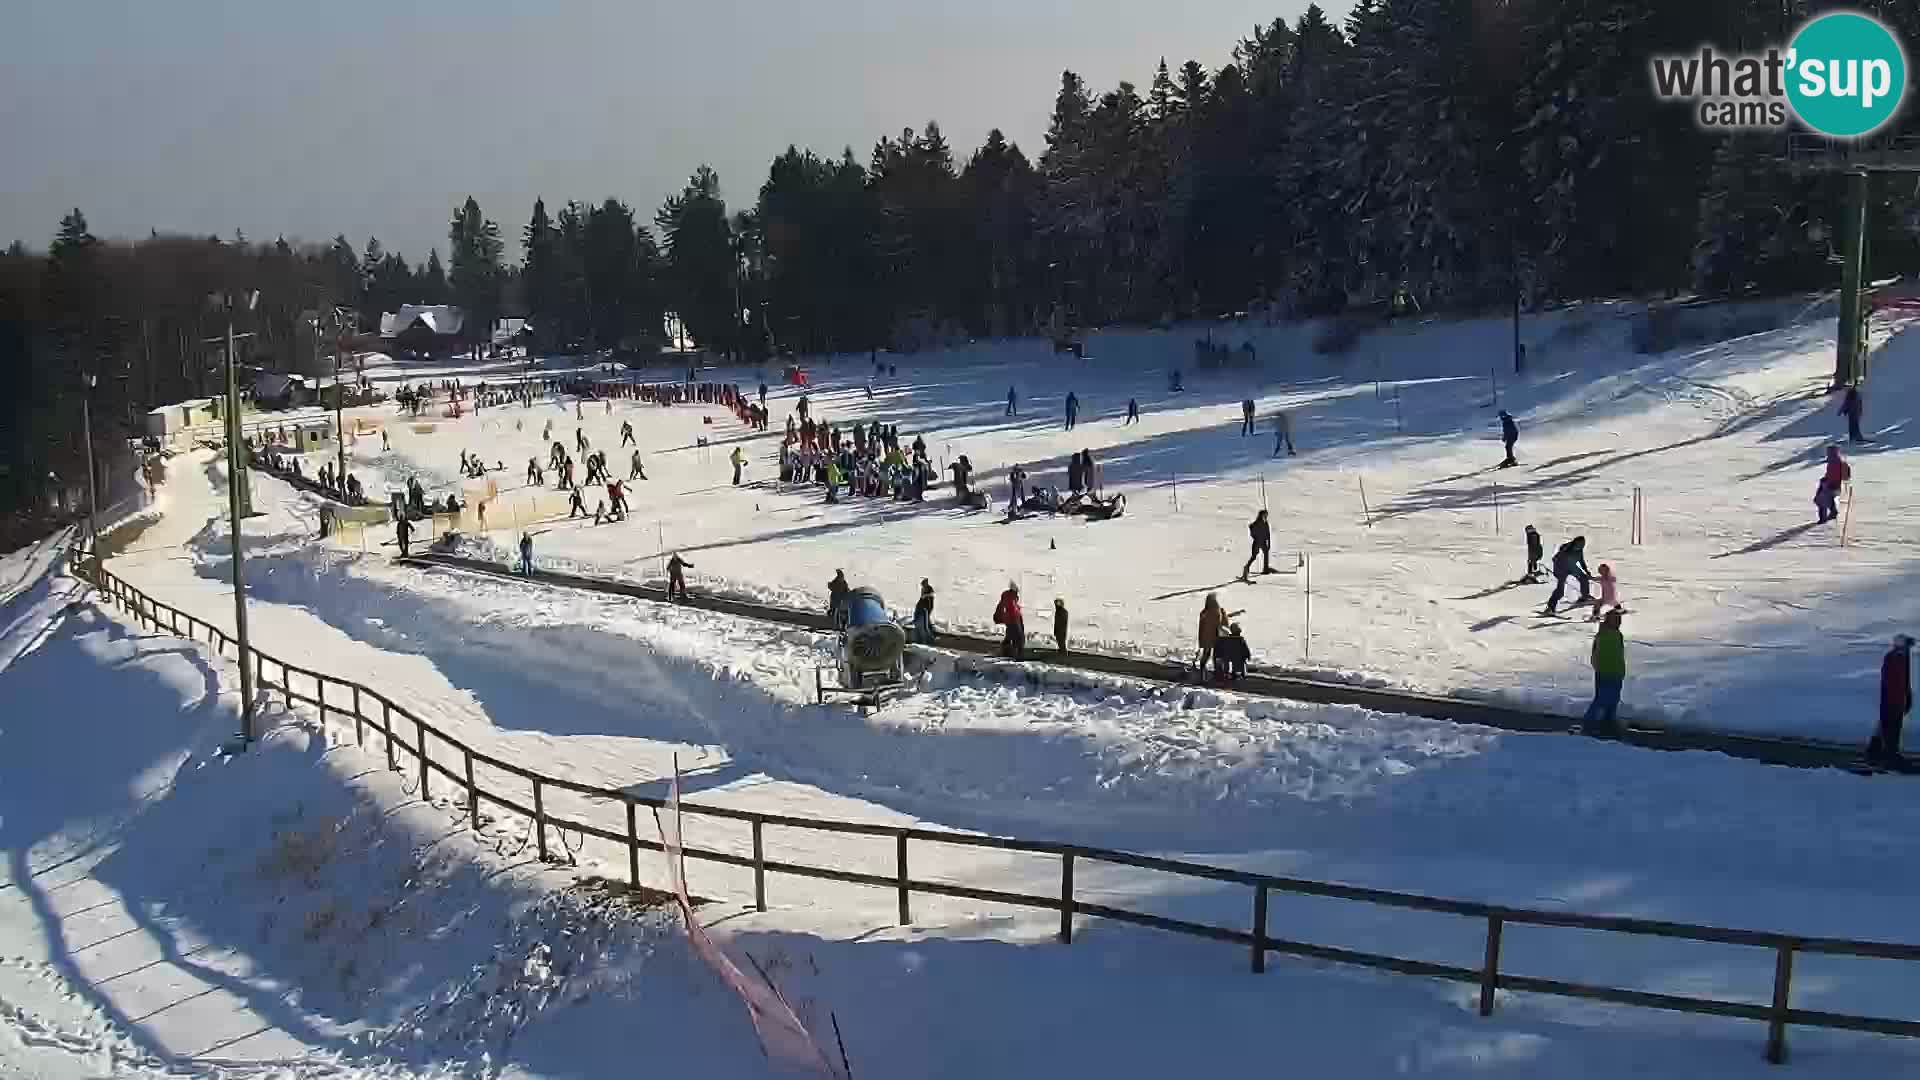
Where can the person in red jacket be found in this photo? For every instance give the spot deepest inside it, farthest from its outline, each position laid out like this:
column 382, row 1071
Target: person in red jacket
column 1007, row 615
column 1896, row 698
column 1835, row 477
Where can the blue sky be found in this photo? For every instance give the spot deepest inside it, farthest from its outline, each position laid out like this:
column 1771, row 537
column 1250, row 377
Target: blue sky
column 377, row 116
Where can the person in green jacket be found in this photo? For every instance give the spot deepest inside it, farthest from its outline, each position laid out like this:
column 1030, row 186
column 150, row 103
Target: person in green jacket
column 1609, row 672
column 833, row 480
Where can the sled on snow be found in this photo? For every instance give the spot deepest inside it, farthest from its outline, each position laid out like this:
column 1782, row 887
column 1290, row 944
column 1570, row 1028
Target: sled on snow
column 872, row 655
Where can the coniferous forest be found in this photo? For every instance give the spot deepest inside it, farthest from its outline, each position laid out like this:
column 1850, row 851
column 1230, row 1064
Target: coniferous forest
column 1456, row 154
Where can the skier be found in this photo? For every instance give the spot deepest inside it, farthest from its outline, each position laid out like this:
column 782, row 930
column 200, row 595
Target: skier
column 1060, row 624
column 837, row 590
column 576, row 506
column 739, row 459
column 534, row 477
column 1509, row 434
column 677, row 568
column 1837, row 473
column 1007, row 615
column 580, row 439
column 834, row 479
column 1013, row 402
column 403, row 532
column 1133, row 411
column 962, row 471
column 626, row 433
column 1262, row 534
column 923, row 614
column 1609, row 593
column 1282, row 433
column 526, row 554
column 1016, row 491
column 1570, row 562
column 1896, row 699
column 636, row 472
column 599, row 511
column 1073, row 409
column 1851, row 408
column 1089, row 474
column 1534, row 553
column 1609, row 673
column 617, row 499
column 385, row 443
column 1073, row 474
column 1212, row 621
column 1246, row 417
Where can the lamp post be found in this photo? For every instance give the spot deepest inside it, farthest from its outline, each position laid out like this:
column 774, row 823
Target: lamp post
column 236, row 486
column 93, row 484
column 339, row 400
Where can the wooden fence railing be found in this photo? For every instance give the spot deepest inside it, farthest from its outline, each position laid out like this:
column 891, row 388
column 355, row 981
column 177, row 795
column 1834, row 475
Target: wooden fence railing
column 368, row 708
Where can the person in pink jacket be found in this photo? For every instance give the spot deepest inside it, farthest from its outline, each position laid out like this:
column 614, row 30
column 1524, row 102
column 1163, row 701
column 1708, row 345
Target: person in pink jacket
column 1609, row 592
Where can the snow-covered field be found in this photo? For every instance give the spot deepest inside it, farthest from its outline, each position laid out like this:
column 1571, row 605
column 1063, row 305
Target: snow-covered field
column 164, row 908
column 1741, row 614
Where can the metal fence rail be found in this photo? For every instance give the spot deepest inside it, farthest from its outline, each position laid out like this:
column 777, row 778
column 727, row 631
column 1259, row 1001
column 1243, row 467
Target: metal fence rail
column 369, row 709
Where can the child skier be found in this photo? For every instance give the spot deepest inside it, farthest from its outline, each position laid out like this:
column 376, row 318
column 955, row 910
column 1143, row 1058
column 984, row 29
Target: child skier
column 1609, row 594
column 1534, row 553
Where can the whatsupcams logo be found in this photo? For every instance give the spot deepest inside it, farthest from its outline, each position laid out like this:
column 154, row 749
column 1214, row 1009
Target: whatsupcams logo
column 1843, row 75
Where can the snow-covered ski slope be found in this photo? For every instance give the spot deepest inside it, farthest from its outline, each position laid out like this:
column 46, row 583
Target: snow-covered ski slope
column 1742, row 614
column 610, row 691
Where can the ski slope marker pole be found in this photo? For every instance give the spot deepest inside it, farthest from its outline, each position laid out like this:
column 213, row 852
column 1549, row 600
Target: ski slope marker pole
column 1306, row 567
column 1846, row 519
column 1263, row 491
column 1496, row 509
column 1364, row 509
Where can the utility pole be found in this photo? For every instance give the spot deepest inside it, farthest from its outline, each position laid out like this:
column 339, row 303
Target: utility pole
column 93, row 483
column 236, row 511
column 339, row 399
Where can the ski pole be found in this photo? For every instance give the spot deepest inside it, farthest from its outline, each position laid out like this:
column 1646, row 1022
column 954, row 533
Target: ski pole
column 1364, row 509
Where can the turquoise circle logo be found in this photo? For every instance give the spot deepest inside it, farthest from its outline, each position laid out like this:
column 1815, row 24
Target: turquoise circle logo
column 1847, row 74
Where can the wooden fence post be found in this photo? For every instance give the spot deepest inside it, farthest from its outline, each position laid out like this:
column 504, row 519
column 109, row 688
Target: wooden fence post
column 900, row 852
column 1782, row 993
column 633, row 848
column 321, row 693
column 421, row 736
column 1490, row 973
column 1259, row 929
column 759, row 870
column 1066, row 899
column 539, row 820
column 473, row 792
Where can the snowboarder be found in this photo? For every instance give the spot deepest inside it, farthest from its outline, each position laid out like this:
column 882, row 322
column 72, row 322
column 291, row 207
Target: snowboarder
column 1013, row 402
column 1262, row 533
column 1609, row 593
column 1212, row 621
column 626, row 433
column 1827, row 495
column 403, row 532
column 1133, row 411
column 1073, row 409
column 1534, row 553
column 1896, row 699
column 636, row 471
column 837, row 591
column 1570, row 562
column 739, row 460
column 1282, row 433
column 923, row 614
column 1609, row 674
column 1013, row 645
column 677, row 568
column 1060, row 624
column 1509, row 434
column 1851, row 408
column 1246, row 417
column 526, row 554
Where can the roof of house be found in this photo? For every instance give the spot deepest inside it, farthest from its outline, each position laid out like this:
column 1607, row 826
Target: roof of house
column 439, row 319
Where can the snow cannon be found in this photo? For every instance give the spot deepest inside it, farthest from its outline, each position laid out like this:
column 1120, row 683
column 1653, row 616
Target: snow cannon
column 872, row 652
